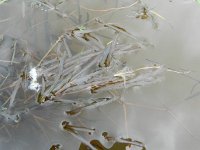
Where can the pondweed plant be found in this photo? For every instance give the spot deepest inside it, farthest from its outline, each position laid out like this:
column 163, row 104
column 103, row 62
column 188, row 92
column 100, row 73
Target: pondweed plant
column 82, row 70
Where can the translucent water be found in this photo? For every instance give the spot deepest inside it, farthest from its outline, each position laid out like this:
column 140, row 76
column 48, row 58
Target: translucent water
column 98, row 74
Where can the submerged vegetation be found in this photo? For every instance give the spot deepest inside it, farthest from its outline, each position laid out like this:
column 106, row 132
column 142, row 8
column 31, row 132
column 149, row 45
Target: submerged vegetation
column 82, row 70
